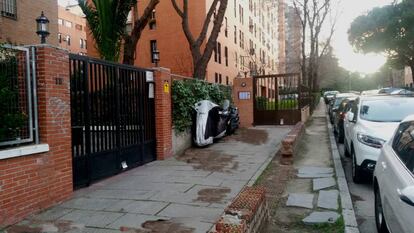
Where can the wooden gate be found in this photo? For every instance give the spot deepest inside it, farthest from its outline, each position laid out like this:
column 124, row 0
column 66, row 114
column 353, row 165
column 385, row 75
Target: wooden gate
column 113, row 118
column 278, row 99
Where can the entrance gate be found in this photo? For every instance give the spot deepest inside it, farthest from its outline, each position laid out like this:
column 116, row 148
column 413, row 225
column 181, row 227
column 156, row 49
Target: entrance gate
column 278, row 99
column 113, row 118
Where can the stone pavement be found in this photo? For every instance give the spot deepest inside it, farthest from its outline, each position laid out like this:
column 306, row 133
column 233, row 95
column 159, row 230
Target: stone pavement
column 182, row 194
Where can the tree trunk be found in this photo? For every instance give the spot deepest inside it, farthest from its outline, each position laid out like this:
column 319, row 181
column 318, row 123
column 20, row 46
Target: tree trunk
column 131, row 41
column 412, row 73
column 129, row 52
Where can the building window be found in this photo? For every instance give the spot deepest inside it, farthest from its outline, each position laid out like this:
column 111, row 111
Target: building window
column 226, row 27
column 235, row 34
column 153, row 23
column 220, row 79
column 227, row 80
column 68, row 40
column 60, row 21
column 216, row 79
column 219, row 52
column 9, row 8
column 236, row 58
column 153, row 45
column 215, row 53
column 226, row 55
column 81, row 43
column 60, row 38
column 68, row 24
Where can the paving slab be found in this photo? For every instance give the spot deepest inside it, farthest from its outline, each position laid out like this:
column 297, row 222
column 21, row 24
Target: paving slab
column 133, row 221
column 303, row 200
column 206, row 214
column 137, row 207
column 315, row 170
column 328, row 199
column 321, row 217
column 92, row 218
column 323, row 183
column 314, row 175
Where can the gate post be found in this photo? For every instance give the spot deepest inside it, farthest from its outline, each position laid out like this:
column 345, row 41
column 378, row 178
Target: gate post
column 53, row 91
column 243, row 97
column 163, row 113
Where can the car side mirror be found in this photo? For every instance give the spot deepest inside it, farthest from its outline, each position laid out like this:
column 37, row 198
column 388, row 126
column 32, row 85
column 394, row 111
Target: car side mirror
column 350, row 116
column 407, row 195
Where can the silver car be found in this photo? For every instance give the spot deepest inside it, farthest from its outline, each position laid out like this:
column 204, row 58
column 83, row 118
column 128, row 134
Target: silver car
column 394, row 181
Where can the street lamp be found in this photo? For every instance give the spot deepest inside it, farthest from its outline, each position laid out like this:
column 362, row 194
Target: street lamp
column 42, row 27
column 156, row 57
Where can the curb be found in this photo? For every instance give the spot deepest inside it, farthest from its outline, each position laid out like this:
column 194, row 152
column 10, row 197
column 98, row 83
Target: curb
column 348, row 212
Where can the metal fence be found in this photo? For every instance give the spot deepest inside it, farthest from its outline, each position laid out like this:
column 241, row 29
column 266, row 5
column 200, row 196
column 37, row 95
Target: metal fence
column 18, row 101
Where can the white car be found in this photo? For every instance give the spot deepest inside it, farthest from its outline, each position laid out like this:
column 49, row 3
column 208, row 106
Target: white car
column 394, row 182
column 370, row 123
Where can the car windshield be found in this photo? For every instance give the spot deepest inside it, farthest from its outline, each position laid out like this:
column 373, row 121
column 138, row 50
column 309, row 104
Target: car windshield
column 387, row 110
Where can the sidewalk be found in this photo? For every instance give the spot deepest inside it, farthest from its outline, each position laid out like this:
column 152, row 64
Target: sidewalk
column 311, row 196
column 185, row 194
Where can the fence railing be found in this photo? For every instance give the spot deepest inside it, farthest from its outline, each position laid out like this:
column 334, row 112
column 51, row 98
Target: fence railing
column 18, row 101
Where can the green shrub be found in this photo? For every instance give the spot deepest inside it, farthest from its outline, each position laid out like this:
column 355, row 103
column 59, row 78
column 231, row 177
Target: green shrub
column 185, row 93
column 11, row 117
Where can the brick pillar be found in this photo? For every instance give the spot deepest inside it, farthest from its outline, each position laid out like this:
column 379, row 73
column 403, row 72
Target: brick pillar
column 53, row 91
column 163, row 113
column 33, row 182
column 243, row 99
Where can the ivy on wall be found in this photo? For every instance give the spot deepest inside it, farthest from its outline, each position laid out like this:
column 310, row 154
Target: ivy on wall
column 185, row 93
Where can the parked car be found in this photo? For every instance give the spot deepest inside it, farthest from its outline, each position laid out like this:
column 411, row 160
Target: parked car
column 370, row 123
column 389, row 90
column 370, row 92
column 394, row 181
column 402, row 92
column 335, row 102
column 343, row 108
column 328, row 95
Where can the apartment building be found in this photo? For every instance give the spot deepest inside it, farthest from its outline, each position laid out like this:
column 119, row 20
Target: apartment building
column 248, row 42
column 293, row 40
column 72, row 29
column 17, row 21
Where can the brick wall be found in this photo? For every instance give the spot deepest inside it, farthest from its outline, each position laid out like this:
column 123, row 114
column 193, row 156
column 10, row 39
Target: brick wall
column 245, row 105
column 163, row 113
column 33, row 182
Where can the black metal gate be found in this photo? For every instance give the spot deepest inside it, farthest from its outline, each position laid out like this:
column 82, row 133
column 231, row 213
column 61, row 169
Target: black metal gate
column 113, row 118
column 278, row 99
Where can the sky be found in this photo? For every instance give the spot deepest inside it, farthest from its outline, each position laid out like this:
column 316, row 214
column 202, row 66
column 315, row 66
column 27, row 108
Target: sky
column 348, row 59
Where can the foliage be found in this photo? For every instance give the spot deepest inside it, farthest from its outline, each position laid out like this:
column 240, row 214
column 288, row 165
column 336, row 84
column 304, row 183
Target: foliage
column 185, row 93
column 387, row 29
column 107, row 21
column 11, row 117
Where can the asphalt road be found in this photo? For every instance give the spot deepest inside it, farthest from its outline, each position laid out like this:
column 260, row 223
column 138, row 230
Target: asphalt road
column 362, row 197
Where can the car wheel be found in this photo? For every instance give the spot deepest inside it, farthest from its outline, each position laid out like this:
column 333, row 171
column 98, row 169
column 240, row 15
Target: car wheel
column 356, row 170
column 347, row 154
column 379, row 214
